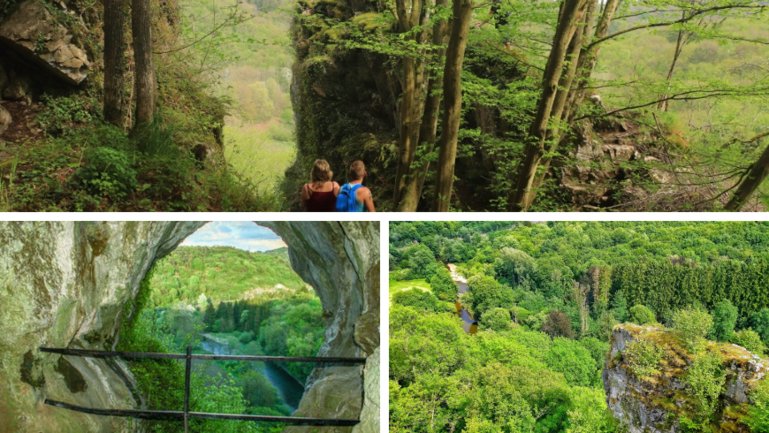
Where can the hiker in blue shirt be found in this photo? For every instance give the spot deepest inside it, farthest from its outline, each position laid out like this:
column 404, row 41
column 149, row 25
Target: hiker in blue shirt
column 353, row 196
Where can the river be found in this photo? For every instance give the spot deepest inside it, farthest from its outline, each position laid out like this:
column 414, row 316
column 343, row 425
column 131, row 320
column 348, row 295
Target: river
column 469, row 324
column 289, row 389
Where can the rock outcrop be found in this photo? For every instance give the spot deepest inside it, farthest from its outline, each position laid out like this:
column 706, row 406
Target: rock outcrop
column 69, row 285
column 65, row 284
column 657, row 402
column 341, row 261
column 37, row 35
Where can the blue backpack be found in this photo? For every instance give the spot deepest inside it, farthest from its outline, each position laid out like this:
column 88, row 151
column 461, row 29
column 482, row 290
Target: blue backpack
column 346, row 201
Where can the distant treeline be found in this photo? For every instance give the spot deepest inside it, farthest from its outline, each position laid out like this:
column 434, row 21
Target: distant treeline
column 665, row 285
column 290, row 325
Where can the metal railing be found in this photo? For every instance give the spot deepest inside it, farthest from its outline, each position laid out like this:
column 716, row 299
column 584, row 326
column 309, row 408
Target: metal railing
column 185, row 415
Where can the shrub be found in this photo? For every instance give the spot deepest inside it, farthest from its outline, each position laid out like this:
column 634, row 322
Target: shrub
column 246, row 337
column 704, row 380
column 692, row 324
column 642, row 315
column 642, row 357
column 758, row 413
column 419, row 299
column 60, row 114
column 107, row 172
column 497, row 319
column 724, row 321
column 749, row 339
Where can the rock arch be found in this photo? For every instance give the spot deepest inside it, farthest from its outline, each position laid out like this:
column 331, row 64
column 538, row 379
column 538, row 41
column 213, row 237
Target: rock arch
column 73, row 283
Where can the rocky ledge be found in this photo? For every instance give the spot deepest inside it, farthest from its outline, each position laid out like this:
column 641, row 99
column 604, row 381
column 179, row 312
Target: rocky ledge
column 656, row 402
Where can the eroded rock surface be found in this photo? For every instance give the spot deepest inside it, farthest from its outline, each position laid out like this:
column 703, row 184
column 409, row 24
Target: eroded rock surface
column 70, row 285
column 341, row 261
column 37, row 34
column 655, row 404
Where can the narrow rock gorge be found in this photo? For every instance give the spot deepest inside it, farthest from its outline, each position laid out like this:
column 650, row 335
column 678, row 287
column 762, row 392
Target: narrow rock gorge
column 65, row 284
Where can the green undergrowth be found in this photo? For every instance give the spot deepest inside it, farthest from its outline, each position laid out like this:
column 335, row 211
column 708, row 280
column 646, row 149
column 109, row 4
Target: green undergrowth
column 84, row 164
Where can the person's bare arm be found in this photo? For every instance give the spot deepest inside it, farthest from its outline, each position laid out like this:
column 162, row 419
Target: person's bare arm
column 367, row 199
column 304, row 196
column 336, row 189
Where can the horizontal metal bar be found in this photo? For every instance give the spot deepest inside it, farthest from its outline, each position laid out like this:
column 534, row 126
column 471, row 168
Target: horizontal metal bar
column 179, row 415
column 154, row 355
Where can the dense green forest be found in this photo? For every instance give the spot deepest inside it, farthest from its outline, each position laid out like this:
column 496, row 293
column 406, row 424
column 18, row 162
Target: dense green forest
column 220, row 274
column 549, row 300
column 222, row 298
column 453, row 105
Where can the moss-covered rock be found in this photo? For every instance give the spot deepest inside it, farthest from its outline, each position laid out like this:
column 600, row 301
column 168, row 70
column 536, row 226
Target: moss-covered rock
column 658, row 402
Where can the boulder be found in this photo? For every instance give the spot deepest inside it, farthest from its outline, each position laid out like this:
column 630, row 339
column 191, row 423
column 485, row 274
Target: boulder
column 5, row 120
column 37, row 35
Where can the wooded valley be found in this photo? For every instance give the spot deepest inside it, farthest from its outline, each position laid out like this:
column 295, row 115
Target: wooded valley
column 453, row 105
column 579, row 327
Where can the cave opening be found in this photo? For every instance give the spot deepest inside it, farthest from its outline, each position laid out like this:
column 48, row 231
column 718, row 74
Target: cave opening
column 227, row 289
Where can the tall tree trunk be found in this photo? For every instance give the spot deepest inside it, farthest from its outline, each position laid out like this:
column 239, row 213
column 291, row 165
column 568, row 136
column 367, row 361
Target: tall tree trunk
column 585, row 19
column 145, row 81
column 756, row 175
column 117, row 101
column 410, row 14
column 527, row 171
column 452, row 102
column 589, row 58
column 428, row 131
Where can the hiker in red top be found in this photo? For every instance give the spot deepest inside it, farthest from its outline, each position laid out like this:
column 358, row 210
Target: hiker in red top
column 319, row 195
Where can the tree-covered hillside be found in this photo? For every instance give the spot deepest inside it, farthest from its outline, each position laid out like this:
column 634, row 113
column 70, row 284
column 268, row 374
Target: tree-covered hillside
column 221, row 274
column 548, row 298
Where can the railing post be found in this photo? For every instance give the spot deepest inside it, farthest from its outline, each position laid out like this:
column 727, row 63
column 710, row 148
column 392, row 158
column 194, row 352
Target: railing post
column 187, row 372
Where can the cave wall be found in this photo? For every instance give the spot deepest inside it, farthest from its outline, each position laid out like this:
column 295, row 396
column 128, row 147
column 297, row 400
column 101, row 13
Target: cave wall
column 70, row 284
column 341, row 261
column 65, row 284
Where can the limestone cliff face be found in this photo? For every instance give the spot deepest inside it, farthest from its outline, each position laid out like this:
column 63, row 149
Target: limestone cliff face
column 72, row 284
column 341, row 261
column 655, row 404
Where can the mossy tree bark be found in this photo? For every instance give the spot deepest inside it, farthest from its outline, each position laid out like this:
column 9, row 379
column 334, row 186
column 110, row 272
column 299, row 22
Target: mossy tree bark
column 452, row 102
column 589, row 57
column 558, row 122
column 409, row 201
column 411, row 14
column 523, row 193
column 117, row 101
column 145, row 82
